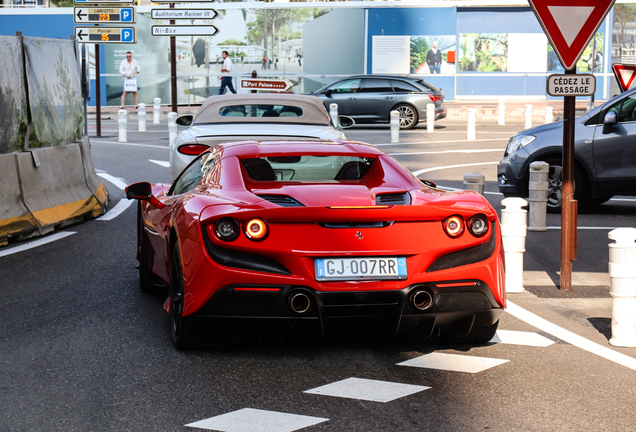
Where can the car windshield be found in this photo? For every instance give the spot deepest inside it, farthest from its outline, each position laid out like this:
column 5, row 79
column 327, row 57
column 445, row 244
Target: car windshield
column 307, row 168
column 260, row 111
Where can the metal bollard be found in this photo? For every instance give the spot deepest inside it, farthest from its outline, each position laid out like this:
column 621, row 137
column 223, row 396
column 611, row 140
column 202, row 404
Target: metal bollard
column 528, row 116
column 538, row 187
column 474, row 181
column 156, row 111
column 513, row 233
column 471, row 124
column 172, row 128
column 122, row 123
column 502, row 112
column 395, row 126
column 333, row 113
column 622, row 271
column 549, row 115
column 141, row 115
column 430, row 117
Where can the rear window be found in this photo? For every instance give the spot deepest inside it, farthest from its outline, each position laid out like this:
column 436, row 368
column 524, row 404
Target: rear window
column 261, row 111
column 307, row 168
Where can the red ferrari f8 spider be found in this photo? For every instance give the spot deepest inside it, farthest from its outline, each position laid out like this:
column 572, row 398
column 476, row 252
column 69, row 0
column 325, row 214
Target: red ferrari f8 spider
column 318, row 235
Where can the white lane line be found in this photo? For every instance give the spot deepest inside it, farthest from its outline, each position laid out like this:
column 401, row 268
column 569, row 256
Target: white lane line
column 570, row 337
column 164, row 164
column 114, row 180
column 453, row 362
column 129, row 144
column 512, row 337
column 368, row 390
column 422, row 171
column 447, row 151
column 252, row 420
column 36, row 243
column 442, row 142
column 121, row 206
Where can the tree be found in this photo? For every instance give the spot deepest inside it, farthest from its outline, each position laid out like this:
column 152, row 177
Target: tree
column 231, row 42
column 623, row 14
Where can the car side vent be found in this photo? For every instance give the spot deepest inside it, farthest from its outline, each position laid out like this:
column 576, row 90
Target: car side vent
column 282, row 200
column 393, row 199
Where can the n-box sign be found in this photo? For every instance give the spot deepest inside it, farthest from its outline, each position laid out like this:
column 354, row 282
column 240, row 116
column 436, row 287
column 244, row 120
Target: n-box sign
column 571, row 85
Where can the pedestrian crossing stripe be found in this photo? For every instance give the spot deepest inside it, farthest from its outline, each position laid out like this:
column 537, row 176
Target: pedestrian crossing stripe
column 521, row 338
column 453, row 362
column 249, row 419
column 367, row 389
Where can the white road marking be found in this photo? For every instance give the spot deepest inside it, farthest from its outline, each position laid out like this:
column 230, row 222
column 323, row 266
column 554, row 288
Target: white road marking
column 253, row 420
column 129, row 144
column 447, row 151
column 570, row 337
column 121, row 206
column 164, row 164
column 512, row 337
column 114, row 180
column 36, row 243
column 443, row 142
column 425, row 170
column 368, row 390
column 453, row 362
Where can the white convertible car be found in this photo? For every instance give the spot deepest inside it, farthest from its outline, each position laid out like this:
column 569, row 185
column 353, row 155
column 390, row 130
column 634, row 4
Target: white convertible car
column 261, row 116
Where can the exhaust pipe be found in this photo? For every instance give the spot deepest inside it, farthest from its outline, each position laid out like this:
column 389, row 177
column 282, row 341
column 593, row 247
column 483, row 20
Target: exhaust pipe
column 421, row 300
column 299, row 302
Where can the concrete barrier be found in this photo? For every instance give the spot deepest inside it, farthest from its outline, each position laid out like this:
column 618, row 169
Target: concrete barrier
column 62, row 190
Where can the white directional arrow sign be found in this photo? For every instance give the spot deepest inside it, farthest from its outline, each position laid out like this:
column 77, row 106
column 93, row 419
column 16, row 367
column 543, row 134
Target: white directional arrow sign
column 184, row 30
column 107, row 15
column 183, row 14
column 100, row 35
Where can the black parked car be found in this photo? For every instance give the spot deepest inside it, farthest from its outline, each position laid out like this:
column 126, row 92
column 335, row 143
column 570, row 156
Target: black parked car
column 371, row 98
column 604, row 155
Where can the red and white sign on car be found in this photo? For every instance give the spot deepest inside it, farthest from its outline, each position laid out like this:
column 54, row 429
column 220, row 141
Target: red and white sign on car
column 570, row 25
column 624, row 75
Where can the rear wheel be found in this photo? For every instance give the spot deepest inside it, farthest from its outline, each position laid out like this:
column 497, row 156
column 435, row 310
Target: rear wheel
column 181, row 336
column 408, row 116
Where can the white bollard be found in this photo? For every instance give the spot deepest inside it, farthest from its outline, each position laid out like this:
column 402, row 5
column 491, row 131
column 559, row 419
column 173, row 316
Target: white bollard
column 395, row 126
column 528, row 116
column 141, row 115
column 333, row 113
column 513, row 233
column 474, row 181
column 622, row 271
column 471, row 124
column 549, row 115
column 172, row 128
column 502, row 112
column 122, row 123
column 430, row 117
column 538, row 187
column 156, row 111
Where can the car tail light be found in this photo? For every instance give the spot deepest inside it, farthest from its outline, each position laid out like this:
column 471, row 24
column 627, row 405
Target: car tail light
column 227, row 229
column 256, row 229
column 453, row 226
column 192, row 149
column 478, row 225
column 434, row 98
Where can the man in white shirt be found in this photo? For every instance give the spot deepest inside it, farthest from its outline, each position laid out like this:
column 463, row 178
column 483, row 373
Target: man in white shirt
column 128, row 68
column 226, row 70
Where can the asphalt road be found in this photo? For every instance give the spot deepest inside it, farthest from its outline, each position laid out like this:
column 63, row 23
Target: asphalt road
column 82, row 349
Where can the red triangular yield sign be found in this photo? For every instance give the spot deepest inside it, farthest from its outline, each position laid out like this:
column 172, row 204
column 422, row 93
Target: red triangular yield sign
column 625, row 75
column 570, row 24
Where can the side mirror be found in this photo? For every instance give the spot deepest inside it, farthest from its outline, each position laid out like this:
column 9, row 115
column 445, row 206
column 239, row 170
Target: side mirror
column 609, row 121
column 345, row 122
column 328, row 92
column 140, row 191
column 184, row 120
column 429, row 183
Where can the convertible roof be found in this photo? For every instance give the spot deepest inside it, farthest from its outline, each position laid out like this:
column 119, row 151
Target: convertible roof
column 314, row 112
column 252, row 148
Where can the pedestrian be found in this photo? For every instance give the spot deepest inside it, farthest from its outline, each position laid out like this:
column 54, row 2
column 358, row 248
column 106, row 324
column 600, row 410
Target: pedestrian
column 226, row 70
column 242, row 62
column 129, row 68
column 299, row 57
column 275, row 62
column 269, row 66
column 264, row 63
column 434, row 59
column 288, row 57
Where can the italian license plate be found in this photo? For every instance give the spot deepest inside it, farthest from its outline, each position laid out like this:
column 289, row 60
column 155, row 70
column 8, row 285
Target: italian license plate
column 360, row 268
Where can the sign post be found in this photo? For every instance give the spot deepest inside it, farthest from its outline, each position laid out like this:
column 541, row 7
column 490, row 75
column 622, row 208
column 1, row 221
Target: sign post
column 569, row 26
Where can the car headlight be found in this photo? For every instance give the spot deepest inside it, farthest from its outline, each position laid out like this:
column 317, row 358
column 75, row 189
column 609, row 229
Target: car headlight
column 518, row 142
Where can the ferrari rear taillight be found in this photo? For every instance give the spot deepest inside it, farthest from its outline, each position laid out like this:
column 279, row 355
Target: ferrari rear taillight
column 256, row 229
column 192, row 149
column 227, row 229
column 478, row 225
column 453, row 226
column 434, row 98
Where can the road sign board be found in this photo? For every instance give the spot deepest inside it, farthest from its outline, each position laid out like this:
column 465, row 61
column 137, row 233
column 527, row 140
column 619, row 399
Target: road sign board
column 184, row 30
column 570, row 25
column 101, row 2
column 99, row 35
column 266, row 84
column 571, row 85
column 107, row 15
column 625, row 75
column 183, row 14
